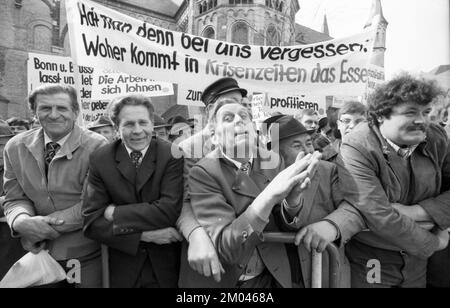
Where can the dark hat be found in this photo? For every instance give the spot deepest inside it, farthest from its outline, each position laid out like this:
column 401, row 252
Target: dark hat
column 219, row 87
column 101, row 121
column 289, row 126
column 159, row 122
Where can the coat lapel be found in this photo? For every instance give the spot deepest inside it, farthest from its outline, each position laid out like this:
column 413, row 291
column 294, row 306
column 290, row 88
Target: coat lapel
column 147, row 166
column 36, row 148
column 124, row 164
column 308, row 199
column 72, row 143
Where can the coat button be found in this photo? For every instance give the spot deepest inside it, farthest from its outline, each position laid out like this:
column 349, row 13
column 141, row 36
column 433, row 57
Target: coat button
column 241, row 266
column 244, row 235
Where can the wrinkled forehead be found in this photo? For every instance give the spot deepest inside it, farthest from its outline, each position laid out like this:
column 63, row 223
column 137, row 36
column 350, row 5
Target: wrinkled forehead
column 57, row 99
column 231, row 109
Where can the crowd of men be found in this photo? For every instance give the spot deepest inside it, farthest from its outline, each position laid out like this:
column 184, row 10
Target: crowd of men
column 184, row 207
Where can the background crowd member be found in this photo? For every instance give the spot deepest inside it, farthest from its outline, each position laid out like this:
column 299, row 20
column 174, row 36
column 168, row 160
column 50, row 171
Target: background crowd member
column 11, row 249
column 309, row 118
column 351, row 114
column 233, row 195
column 392, row 170
column 200, row 255
column 180, row 129
column 45, row 175
column 161, row 128
column 104, row 127
column 324, row 140
column 134, row 199
column 18, row 125
column 324, row 217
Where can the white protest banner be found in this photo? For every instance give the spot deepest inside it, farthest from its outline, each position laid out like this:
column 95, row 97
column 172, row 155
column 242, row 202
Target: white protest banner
column 189, row 97
column 258, row 106
column 102, row 37
column 47, row 69
column 292, row 104
column 50, row 69
column 375, row 78
column 108, row 86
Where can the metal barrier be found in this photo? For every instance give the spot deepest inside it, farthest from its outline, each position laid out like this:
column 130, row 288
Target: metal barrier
column 105, row 266
column 316, row 266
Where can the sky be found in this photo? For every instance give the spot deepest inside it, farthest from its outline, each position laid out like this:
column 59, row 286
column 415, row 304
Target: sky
column 418, row 33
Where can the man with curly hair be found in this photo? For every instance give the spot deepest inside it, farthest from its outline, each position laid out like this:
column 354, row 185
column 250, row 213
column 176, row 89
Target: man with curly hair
column 392, row 169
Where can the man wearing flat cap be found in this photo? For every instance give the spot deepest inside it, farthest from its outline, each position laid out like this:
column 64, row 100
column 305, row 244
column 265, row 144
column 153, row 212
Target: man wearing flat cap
column 321, row 215
column 104, row 127
column 200, row 253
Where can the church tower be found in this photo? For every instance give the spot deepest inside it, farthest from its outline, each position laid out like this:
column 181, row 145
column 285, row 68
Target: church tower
column 255, row 22
column 376, row 16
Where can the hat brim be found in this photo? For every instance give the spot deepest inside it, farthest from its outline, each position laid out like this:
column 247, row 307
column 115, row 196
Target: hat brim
column 308, row 131
column 98, row 126
column 243, row 91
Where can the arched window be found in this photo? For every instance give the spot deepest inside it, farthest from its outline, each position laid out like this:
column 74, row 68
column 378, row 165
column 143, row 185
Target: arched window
column 281, row 6
column 200, row 8
column 42, row 38
column 205, row 7
column 215, row 3
column 209, row 33
column 210, row 4
column 272, row 36
column 239, row 33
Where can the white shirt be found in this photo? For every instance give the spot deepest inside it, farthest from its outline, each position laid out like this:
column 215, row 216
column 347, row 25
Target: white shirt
column 60, row 141
column 396, row 148
column 235, row 162
column 142, row 151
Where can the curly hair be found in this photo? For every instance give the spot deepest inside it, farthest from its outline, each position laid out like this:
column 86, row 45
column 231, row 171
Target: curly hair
column 401, row 89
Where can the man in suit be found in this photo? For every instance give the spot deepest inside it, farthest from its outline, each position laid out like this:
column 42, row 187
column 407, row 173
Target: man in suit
column 134, row 198
column 45, row 175
column 323, row 216
column 233, row 192
column 199, row 258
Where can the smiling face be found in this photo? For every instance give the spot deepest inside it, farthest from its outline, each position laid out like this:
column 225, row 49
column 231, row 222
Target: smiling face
column 234, row 130
column 55, row 114
column 407, row 124
column 135, row 127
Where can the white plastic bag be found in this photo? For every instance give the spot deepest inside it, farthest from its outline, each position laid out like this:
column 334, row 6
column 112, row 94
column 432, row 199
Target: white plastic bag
column 33, row 270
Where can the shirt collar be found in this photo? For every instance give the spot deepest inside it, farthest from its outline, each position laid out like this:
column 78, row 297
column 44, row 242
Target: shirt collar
column 407, row 151
column 142, row 151
column 60, row 141
column 235, row 162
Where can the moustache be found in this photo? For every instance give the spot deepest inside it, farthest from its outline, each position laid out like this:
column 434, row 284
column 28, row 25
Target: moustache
column 417, row 127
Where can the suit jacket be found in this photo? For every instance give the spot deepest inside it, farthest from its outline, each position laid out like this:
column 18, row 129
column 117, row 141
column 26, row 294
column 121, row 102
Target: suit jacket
column 220, row 199
column 147, row 199
column 29, row 191
column 323, row 200
column 367, row 170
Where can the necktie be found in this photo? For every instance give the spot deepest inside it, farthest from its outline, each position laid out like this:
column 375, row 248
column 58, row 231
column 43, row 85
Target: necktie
column 135, row 158
column 404, row 152
column 50, row 150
